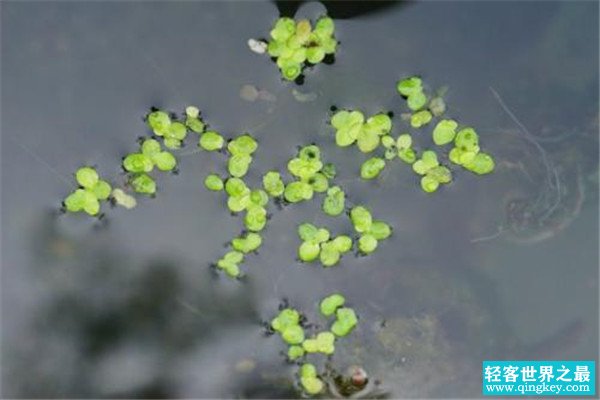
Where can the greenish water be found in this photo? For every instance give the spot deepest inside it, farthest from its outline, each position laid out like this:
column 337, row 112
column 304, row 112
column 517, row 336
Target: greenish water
column 131, row 309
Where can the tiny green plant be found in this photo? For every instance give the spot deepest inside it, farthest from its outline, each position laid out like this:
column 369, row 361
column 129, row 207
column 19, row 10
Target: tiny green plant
column 296, row 44
column 317, row 243
column 92, row 190
column 371, row 231
column 289, row 324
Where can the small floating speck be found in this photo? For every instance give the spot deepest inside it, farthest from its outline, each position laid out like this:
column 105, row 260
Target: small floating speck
column 257, row 46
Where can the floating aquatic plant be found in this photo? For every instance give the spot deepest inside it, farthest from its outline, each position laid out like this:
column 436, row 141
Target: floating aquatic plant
column 230, row 262
column 371, row 168
column 273, row 184
column 351, row 128
column 92, row 190
column 295, row 45
column 444, row 132
column 317, row 243
column 371, row 231
column 433, row 174
column 466, row 152
column 211, row 141
column 214, row 182
column 307, row 168
column 424, row 107
column 334, row 202
column 289, row 324
column 172, row 131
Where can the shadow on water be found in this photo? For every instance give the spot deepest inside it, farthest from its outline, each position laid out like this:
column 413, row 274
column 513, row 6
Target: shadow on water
column 341, row 9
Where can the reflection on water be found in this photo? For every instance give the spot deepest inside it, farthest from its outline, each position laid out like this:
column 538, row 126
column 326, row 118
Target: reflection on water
column 503, row 266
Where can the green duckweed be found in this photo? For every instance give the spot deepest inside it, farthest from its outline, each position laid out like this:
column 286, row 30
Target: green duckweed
column 372, row 167
column 309, row 251
column 345, row 322
column 82, row 200
column 324, row 343
column 211, row 141
column 192, row 120
column 409, row 86
column 367, row 243
column 298, row 191
column 229, row 263
column 86, row 177
column 248, row 243
column 159, row 122
column 143, row 183
column 137, row 163
column 361, row 219
column 293, row 334
column 331, row 303
column 294, row 44
column 238, row 165
column 481, row 164
column 444, row 132
column 420, row 118
column 342, row 243
column 243, row 145
column 295, row 352
column 380, row 230
column 319, row 182
column 329, row 255
column 255, row 218
column 273, row 184
column 335, row 201
column 286, row 318
column 214, row 182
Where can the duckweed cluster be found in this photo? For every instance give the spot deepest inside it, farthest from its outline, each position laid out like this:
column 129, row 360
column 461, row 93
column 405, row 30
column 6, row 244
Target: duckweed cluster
column 350, row 128
column 310, row 173
column 91, row 192
column 317, row 243
column 289, row 324
column 295, row 45
column 371, row 231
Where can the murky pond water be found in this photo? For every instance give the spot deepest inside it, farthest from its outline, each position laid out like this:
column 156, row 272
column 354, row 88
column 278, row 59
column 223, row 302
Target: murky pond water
column 501, row 266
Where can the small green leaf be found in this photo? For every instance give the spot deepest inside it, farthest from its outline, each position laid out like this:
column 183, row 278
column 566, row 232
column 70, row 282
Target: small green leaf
column 177, row 130
column 380, row 123
column 255, row 218
column 150, row 147
column 319, row 182
column 295, row 352
column 213, row 182
column 307, row 232
column 242, row 145
column 361, row 219
column 308, row 371
column 329, row 255
column 335, row 201
column 286, row 318
column 342, row 243
column 367, row 140
column 409, row 86
column 144, row 184
column 331, row 303
column 429, row 184
column 283, row 29
column 481, row 164
column 380, row 230
column 238, row 164
column 87, row 177
column 407, row 155
column 444, row 132
column 164, row 161
column 293, row 334
column 138, row 162
column 211, row 141
column 420, row 118
column 367, row 243
column 101, row 190
column 416, row 101
column 273, row 184
column 404, row 141
column 159, row 122
column 372, row 167
column 235, row 187
column 247, row 244
column 346, row 321
column 298, row 191
column 309, row 251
